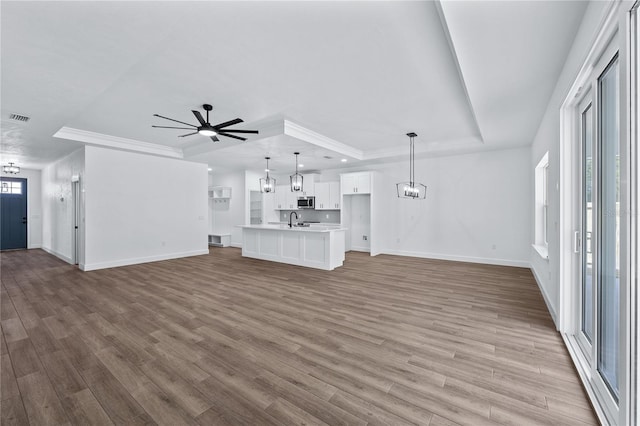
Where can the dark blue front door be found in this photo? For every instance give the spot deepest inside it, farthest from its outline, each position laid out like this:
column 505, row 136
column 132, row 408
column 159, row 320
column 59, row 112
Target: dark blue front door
column 13, row 213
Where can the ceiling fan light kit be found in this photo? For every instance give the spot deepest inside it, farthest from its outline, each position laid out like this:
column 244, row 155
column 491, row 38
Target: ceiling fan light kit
column 11, row 169
column 296, row 179
column 205, row 128
column 267, row 184
column 411, row 189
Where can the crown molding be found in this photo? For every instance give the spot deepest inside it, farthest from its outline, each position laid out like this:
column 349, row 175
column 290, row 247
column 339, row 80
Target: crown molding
column 297, row 131
column 115, row 142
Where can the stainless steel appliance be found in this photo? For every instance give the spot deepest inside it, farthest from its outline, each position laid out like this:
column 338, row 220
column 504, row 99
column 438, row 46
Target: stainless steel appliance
column 307, row 202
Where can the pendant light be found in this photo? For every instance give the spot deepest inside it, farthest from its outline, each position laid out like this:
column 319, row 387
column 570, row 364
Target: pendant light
column 267, row 184
column 296, row 179
column 11, row 169
column 411, row 189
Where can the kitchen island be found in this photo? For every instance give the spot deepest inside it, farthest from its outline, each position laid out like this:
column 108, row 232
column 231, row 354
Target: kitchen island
column 315, row 246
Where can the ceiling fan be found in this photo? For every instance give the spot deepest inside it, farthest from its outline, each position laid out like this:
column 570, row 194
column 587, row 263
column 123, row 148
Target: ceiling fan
column 206, row 129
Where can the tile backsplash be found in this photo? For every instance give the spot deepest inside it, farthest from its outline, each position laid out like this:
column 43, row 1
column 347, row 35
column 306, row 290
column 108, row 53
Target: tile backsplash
column 322, row 216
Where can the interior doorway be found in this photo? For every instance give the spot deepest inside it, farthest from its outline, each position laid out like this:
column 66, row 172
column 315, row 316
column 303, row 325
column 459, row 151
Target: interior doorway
column 75, row 238
column 13, row 213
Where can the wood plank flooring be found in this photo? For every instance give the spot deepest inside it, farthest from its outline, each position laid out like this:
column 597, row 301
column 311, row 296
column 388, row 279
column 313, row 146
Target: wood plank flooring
column 221, row 339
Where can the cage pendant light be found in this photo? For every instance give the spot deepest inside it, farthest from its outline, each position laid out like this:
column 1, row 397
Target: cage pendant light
column 411, row 189
column 11, row 169
column 267, row 184
column 296, row 179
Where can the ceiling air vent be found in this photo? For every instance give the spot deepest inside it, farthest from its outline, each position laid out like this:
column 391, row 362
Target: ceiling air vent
column 19, row 117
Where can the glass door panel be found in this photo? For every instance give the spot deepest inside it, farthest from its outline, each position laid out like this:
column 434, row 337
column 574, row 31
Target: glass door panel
column 587, row 225
column 608, row 309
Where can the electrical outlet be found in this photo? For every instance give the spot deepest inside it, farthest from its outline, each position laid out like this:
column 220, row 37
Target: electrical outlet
column 364, row 238
column 398, row 240
column 493, row 247
column 327, row 216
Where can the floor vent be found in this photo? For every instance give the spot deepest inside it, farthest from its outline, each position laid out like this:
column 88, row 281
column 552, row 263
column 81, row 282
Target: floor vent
column 19, row 117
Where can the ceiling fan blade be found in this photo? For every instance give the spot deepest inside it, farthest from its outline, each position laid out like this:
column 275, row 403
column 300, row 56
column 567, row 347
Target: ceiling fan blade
column 239, row 131
column 199, row 117
column 167, row 127
column 188, row 134
column 167, row 118
column 228, row 123
column 231, row 136
column 215, row 139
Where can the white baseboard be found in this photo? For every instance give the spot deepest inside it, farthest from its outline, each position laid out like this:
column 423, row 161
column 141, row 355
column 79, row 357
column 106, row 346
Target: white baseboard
column 138, row 260
column 236, row 245
column 455, row 258
column 361, row 249
column 34, row 246
column 58, row 255
column 545, row 296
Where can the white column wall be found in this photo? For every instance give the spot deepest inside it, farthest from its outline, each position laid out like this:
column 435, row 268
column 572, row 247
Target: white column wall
column 142, row 208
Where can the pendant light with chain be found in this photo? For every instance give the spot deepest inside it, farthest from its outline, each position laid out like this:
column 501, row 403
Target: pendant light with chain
column 411, row 189
column 296, row 179
column 267, row 184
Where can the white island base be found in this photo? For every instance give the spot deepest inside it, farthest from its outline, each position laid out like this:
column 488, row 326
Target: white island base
column 314, row 247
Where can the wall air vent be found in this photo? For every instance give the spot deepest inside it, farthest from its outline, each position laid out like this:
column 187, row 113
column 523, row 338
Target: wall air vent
column 19, row 117
column 328, row 157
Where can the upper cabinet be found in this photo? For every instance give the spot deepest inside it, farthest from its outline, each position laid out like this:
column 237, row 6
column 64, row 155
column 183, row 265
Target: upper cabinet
column 334, row 195
column 356, row 183
column 285, row 199
column 308, row 186
column 328, row 196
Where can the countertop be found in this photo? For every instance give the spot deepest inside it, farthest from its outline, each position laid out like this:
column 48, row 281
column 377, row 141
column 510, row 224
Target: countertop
column 285, row 227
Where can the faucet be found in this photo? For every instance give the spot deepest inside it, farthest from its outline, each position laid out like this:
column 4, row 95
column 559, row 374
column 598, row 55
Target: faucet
column 291, row 214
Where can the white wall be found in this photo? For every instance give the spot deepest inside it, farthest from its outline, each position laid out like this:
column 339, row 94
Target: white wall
column 226, row 216
column 34, row 205
column 57, row 205
column 547, row 272
column 141, row 208
column 478, row 207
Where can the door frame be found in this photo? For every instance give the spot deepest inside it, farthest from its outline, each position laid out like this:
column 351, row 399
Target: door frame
column 25, row 194
column 618, row 21
column 76, row 219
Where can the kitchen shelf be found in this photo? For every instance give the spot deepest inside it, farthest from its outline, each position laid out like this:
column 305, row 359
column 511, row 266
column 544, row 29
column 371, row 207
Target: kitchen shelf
column 220, row 192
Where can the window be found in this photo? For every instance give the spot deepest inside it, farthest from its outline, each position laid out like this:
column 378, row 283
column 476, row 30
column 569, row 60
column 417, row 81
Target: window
column 541, row 243
column 10, row 187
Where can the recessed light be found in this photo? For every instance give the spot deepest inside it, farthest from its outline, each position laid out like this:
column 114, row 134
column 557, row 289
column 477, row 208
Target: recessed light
column 300, row 165
column 209, row 168
column 344, row 160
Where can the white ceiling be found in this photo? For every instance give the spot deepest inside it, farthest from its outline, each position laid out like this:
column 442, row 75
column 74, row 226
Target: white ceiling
column 357, row 75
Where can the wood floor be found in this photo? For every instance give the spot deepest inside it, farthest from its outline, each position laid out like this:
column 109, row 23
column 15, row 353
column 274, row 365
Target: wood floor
column 221, row 339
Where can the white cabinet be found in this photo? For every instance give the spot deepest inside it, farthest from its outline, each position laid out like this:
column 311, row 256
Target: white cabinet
column 285, row 199
column 363, row 211
column 281, row 197
column 334, row 195
column 308, row 184
column 328, row 196
column 322, row 196
column 356, row 183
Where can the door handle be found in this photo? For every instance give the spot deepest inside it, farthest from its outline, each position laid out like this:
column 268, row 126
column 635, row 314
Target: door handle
column 576, row 242
column 24, row 220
